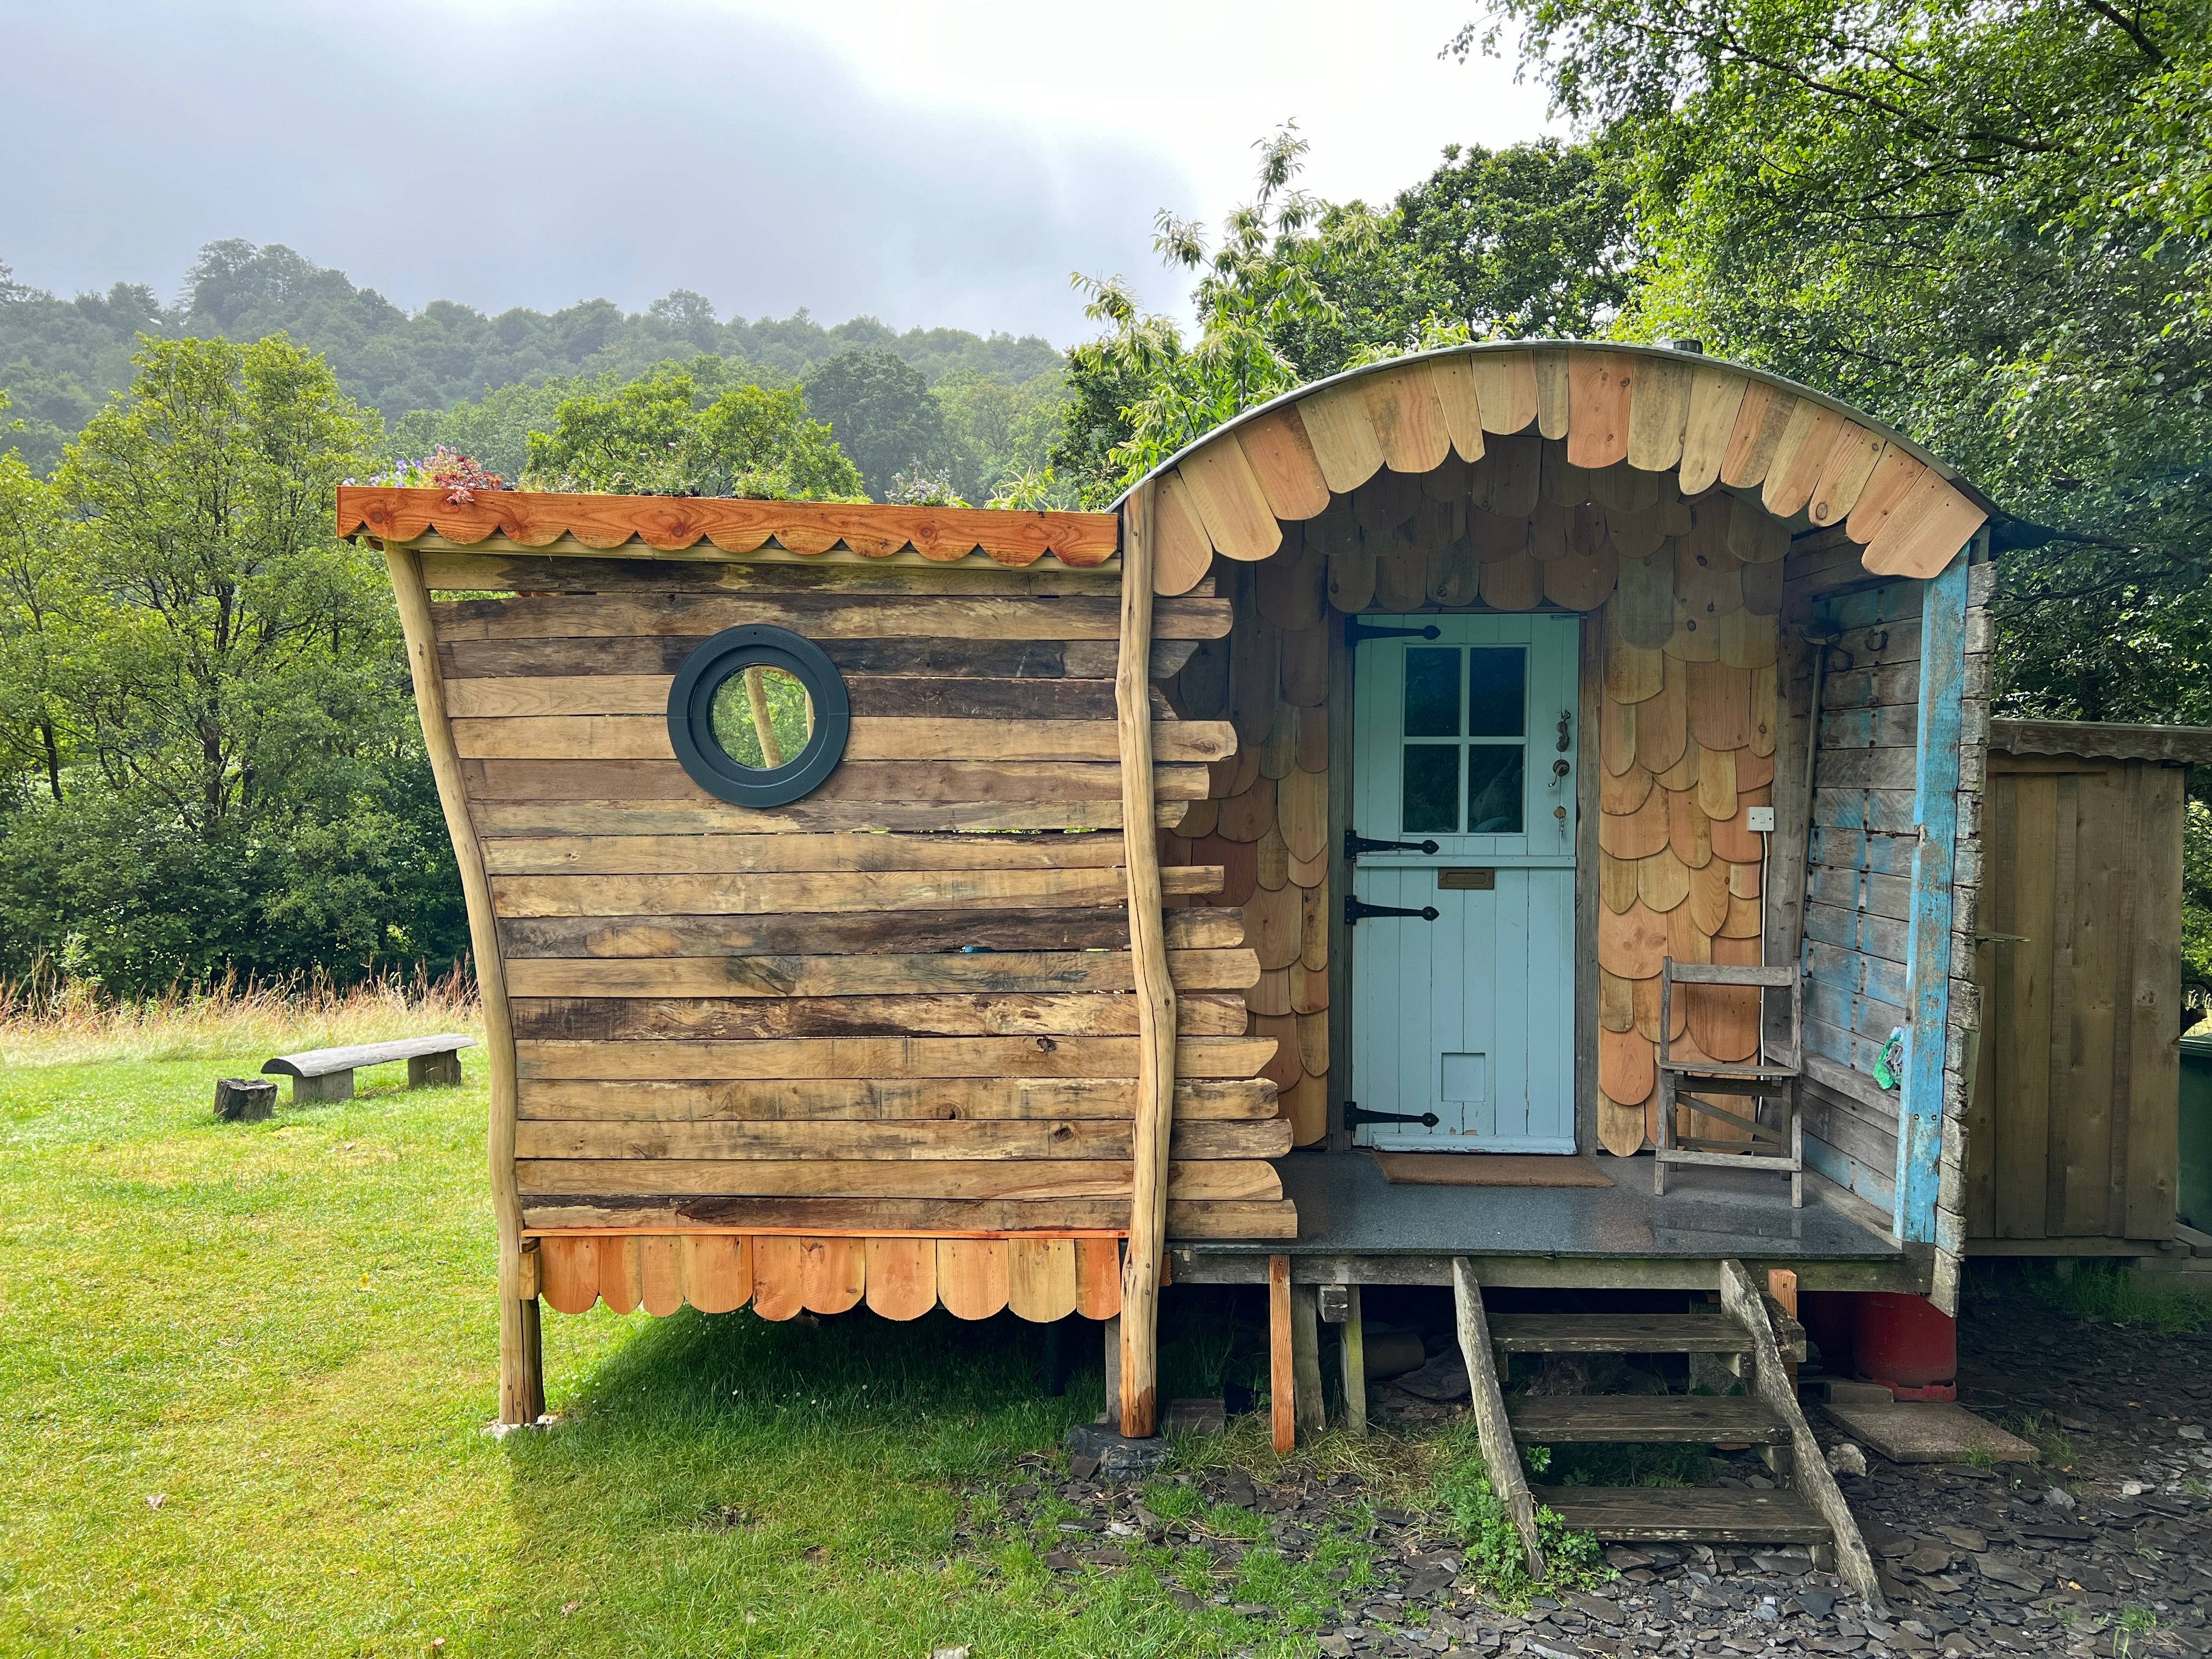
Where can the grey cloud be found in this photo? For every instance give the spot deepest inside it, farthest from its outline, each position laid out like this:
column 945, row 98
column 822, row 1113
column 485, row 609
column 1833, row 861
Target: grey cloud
column 514, row 158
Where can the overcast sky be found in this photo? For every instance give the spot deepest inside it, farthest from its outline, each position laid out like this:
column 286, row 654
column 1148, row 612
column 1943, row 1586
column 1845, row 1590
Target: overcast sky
column 927, row 163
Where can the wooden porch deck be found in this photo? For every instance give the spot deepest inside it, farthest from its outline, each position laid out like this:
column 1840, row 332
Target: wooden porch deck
column 1355, row 1227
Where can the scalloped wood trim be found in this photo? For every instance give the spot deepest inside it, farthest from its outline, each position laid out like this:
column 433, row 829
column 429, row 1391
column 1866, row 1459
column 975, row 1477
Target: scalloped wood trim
column 539, row 519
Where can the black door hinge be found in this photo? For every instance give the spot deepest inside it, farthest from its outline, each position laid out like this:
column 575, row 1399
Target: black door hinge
column 1356, row 630
column 1356, row 908
column 1355, row 844
column 1354, row 1117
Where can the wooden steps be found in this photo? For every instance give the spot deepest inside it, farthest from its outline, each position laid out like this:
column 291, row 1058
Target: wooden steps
column 1579, row 1333
column 1670, row 1514
column 1804, row 1505
column 1644, row 1419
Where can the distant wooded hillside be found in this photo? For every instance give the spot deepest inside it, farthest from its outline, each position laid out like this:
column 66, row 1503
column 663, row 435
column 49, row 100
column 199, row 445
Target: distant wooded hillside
column 60, row 358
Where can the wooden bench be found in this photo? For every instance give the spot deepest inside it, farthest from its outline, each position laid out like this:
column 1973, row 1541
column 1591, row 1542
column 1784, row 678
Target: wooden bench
column 327, row 1073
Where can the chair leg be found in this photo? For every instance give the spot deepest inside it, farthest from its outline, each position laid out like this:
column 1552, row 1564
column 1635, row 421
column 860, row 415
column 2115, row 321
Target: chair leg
column 1666, row 1134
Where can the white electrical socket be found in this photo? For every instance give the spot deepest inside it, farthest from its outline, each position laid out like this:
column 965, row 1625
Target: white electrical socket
column 1759, row 820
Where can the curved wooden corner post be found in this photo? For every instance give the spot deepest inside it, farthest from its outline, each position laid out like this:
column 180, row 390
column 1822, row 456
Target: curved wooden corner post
column 521, row 1371
column 1156, row 999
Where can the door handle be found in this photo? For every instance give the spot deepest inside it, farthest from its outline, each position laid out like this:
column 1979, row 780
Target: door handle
column 1560, row 770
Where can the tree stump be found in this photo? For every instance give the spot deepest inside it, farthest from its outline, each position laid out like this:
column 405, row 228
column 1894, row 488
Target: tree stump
column 244, row 1099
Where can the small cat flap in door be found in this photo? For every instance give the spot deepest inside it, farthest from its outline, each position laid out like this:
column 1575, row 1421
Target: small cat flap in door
column 1466, row 1079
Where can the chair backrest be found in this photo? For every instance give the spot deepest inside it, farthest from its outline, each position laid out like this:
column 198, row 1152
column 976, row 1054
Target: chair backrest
column 1788, row 977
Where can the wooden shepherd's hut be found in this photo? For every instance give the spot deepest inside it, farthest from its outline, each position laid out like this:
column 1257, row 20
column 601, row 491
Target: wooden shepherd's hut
column 1449, row 762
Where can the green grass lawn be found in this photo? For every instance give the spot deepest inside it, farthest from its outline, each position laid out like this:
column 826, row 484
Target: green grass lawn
column 247, row 1370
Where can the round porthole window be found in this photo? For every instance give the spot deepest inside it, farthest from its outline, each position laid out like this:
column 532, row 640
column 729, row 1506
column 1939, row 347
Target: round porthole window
column 759, row 715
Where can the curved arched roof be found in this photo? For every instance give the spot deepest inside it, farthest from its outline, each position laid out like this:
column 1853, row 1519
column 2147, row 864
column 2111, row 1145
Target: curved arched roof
column 1709, row 421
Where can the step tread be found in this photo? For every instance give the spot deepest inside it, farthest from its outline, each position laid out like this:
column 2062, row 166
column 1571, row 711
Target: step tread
column 1687, row 1514
column 1582, row 1333
column 1646, row 1418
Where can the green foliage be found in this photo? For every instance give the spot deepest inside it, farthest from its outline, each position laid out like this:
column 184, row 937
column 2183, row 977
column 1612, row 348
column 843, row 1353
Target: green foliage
column 878, row 406
column 662, row 434
column 1985, row 225
column 1532, row 240
column 761, row 717
column 215, row 760
column 2112, row 1293
column 1000, row 437
column 1249, row 294
column 61, row 358
column 1484, row 1526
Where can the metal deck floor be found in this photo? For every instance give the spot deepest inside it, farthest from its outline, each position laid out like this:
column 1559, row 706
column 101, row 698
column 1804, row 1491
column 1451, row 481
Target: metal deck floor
column 1347, row 1208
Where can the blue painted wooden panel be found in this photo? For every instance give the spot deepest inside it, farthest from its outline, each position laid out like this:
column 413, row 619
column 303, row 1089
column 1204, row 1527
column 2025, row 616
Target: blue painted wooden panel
column 1856, row 972
column 1889, row 811
column 1856, row 930
column 1855, row 849
column 1943, row 688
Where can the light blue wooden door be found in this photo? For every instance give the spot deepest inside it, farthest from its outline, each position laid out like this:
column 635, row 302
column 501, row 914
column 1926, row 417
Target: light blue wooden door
column 1469, row 741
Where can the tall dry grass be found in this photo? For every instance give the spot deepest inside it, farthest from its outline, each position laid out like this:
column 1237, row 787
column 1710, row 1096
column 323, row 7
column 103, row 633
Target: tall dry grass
column 46, row 1021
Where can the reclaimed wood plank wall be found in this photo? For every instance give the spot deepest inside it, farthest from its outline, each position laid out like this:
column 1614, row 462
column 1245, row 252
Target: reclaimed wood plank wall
column 1859, row 859
column 897, row 1010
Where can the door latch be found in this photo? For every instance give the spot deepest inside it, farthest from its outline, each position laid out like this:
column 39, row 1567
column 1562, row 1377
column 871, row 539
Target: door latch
column 1566, row 721
column 1355, row 844
column 1355, row 909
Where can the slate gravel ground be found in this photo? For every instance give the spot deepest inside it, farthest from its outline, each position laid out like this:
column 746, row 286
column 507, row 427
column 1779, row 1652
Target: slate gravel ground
column 2105, row 1550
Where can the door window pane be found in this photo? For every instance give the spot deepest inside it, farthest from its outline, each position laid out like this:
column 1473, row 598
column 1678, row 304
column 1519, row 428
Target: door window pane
column 1496, row 699
column 1431, row 803
column 1433, row 693
column 1494, row 789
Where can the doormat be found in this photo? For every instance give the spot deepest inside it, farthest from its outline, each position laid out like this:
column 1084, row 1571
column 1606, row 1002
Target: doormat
column 1488, row 1169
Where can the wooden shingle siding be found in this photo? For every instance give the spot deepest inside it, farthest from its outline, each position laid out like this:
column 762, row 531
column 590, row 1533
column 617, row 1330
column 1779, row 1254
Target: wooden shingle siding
column 1704, row 421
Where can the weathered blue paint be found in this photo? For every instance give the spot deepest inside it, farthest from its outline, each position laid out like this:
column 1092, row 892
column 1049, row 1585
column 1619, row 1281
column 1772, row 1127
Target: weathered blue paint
column 1928, row 936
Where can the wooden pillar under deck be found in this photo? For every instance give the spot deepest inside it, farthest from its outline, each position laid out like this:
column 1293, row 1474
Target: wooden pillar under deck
column 1355, row 1364
column 1282, row 1364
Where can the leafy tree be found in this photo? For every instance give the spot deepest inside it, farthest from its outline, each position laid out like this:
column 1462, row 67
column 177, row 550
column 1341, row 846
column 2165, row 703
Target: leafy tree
column 878, row 406
column 1531, row 240
column 61, row 358
column 1991, row 225
column 999, row 434
column 1980, row 223
column 38, row 605
column 661, row 434
column 241, row 780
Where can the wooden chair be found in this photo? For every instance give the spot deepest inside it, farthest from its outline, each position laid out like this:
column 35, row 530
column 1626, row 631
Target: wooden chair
column 1772, row 1077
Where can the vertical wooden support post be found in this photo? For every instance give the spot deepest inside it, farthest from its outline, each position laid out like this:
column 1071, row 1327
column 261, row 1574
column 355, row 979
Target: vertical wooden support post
column 1501, row 1456
column 1114, row 1369
column 1928, row 928
column 521, row 1369
column 1148, row 956
column 1282, row 1364
column 1312, row 1414
column 1355, row 1364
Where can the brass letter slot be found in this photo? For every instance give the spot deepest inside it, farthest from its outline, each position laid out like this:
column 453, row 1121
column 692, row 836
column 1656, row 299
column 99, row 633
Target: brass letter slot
column 1467, row 881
